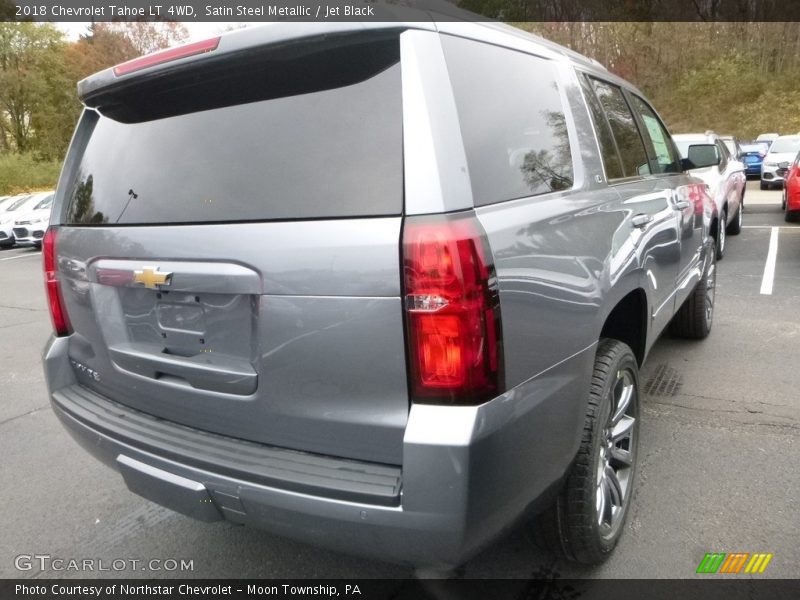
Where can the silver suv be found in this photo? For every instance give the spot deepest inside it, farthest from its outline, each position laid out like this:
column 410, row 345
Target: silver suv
column 384, row 288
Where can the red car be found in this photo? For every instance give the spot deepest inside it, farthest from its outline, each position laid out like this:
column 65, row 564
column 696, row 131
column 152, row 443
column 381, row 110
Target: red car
column 791, row 190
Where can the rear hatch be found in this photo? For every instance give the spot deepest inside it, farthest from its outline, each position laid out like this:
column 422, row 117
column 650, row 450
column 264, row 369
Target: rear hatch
column 229, row 246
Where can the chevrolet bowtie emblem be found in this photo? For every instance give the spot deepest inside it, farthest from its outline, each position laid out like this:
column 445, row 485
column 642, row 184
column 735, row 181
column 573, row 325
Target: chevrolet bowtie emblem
column 151, row 277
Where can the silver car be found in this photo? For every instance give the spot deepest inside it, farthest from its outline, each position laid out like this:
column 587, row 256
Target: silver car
column 381, row 287
column 10, row 210
column 29, row 227
column 725, row 177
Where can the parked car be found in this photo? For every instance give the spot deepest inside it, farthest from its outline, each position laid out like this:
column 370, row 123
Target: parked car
column 733, row 145
column 9, row 211
column 29, row 228
column 385, row 314
column 725, row 178
column 753, row 154
column 791, row 191
column 776, row 162
column 767, row 137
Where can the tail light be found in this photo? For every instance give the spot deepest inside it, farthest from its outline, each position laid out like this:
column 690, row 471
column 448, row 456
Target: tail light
column 58, row 314
column 452, row 310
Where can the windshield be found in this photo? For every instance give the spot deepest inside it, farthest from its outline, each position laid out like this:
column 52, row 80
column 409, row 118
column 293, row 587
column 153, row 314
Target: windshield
column 17, row 203
column 44, row 203
column 787, row 144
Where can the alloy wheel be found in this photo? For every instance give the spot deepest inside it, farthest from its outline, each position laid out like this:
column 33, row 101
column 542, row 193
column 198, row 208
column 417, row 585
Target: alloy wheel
column 617, row 455
column 711, row 287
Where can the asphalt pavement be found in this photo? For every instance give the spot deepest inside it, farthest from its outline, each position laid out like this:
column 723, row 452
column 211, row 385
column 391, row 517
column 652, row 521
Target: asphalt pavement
column 719, row 449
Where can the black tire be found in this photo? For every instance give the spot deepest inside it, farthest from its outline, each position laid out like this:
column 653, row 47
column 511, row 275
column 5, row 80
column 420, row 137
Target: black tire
column 791, row 216
column 735, row 227
column 783, row 199
column 720, row 237
column 764, row 185
column 695, row 318
column 573, row 526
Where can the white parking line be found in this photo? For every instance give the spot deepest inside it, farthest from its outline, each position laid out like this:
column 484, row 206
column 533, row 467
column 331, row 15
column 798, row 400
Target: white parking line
column 786, row 228
column 21, row 256
column 769, row 266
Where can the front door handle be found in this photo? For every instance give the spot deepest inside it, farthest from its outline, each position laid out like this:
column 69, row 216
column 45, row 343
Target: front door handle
column 641, row 220
column 682, row 204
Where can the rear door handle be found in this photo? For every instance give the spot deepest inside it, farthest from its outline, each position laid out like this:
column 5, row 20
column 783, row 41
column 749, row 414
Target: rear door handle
column 641, row 220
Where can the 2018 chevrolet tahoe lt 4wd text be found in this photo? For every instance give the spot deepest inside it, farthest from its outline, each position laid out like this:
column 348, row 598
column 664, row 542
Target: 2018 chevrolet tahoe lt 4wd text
column 385, row 288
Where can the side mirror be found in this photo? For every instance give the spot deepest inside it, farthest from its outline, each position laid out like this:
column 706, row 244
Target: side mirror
column 701, row 156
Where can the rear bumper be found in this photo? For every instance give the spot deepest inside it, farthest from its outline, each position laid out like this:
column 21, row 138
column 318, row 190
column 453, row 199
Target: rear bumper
column 792, row 197
column 753, row 169
column 468, row 473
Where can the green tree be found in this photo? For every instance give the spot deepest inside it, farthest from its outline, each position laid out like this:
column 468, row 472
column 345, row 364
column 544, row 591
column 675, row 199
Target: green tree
column 31, row 59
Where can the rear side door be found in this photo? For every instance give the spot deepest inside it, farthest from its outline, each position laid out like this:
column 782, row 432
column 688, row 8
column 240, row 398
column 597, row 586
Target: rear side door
column 646, row 187
column 665, row 161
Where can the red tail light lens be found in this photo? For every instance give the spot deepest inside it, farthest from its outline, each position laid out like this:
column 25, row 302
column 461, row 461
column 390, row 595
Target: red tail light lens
column 453, row 310
column 157, row 58
column 57, row 312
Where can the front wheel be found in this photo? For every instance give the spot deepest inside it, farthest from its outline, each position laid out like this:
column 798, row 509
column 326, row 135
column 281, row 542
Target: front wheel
column 587, row 519
column 764, row 185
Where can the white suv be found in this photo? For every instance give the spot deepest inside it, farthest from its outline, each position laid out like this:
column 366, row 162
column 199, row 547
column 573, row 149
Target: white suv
column 726, row 180
column 776, row 162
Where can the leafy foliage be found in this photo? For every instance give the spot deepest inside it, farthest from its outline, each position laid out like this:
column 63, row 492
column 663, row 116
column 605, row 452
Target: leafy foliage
column 23, row 173
column 39, row 70
column 735, row 78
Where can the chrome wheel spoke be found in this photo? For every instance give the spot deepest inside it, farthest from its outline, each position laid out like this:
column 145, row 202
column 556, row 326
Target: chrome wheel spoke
column 621, row 457
column 623, row 429
column 615, row 493
column 623, row 392
column 600, row 501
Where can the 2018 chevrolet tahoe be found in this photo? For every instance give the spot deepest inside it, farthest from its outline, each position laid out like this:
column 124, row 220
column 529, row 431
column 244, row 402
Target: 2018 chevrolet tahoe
column 385, row 288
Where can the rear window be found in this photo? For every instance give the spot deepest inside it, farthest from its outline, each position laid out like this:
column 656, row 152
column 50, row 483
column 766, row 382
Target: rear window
column 298, row 134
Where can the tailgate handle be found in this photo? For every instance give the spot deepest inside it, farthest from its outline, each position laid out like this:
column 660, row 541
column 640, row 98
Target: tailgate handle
column 207, row 371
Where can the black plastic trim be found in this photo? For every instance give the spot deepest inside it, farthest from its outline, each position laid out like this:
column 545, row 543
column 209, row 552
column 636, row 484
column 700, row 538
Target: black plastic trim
column 291, row 470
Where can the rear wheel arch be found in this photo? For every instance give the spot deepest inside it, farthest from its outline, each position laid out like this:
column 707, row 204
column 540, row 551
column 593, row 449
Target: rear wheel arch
column 627, row 322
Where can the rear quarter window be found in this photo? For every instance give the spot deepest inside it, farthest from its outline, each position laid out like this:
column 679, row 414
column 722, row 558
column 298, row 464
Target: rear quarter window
column 512, row 121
